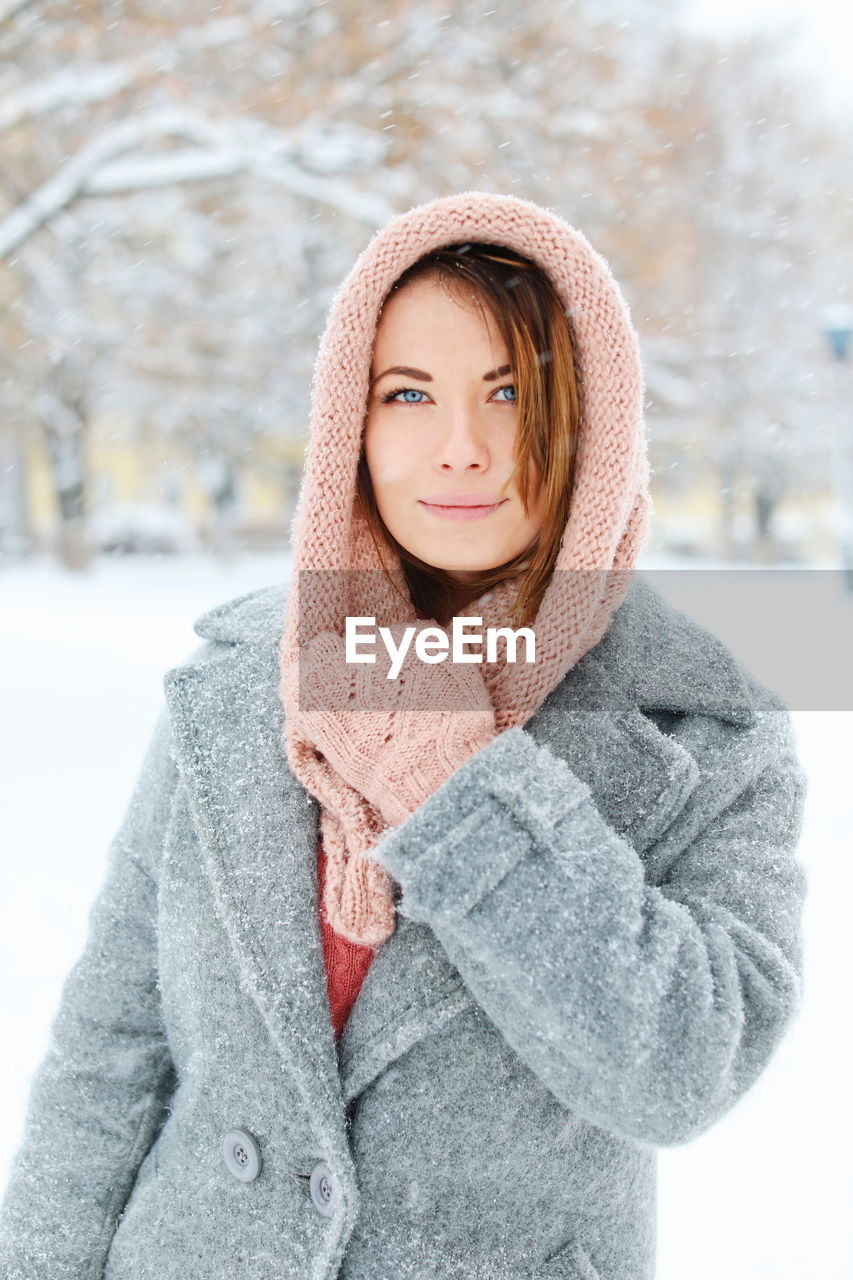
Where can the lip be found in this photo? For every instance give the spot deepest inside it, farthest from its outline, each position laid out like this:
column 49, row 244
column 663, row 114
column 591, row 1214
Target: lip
column 461, row 500
column 460, row 507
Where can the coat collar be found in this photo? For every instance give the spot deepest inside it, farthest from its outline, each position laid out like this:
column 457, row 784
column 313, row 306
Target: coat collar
column 252, row 814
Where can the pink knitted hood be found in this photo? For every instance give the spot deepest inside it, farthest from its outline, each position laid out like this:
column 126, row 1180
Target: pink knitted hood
column 607, row 526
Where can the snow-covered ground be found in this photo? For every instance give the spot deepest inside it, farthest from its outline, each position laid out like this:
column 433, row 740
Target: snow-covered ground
column 765, row 1194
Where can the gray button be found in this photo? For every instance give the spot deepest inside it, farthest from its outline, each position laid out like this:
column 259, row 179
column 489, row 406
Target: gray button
column 324, row 1191
column 242, row 1154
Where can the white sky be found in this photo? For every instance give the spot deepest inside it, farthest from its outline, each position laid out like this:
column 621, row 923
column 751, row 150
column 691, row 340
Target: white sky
column 821, row 44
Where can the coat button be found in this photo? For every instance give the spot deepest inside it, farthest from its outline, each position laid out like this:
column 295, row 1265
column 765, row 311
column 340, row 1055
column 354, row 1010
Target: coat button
column 324, row 1192
column 242, row 1154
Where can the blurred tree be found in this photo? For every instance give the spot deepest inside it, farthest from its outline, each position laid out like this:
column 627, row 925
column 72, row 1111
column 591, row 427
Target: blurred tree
column 182, row 194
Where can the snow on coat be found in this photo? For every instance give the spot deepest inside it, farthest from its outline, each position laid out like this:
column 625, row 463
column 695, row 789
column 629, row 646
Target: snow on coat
column 494, row 1106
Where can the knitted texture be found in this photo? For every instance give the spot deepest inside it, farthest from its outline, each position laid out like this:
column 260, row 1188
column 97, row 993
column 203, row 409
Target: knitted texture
column 606, row 529
column 398, row 754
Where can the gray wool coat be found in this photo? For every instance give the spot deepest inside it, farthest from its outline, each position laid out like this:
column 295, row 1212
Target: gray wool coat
column 597, row 951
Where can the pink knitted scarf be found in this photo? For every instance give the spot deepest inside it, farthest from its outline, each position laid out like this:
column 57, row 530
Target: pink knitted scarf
column 606, row 529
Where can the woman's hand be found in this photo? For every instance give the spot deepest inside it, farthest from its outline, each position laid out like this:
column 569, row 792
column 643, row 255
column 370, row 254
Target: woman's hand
column 394, row 740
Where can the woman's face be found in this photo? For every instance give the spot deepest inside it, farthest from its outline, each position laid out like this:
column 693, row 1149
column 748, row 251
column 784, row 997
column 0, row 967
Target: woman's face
column 441, row 425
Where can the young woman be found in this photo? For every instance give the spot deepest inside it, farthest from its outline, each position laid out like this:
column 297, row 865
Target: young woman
column 409, row 975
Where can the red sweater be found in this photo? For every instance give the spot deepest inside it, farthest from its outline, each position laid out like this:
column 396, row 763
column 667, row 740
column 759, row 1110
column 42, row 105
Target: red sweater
column 346, row 962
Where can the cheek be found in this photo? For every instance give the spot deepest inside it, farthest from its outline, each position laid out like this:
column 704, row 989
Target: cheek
column 385, row 472
column 388, row 459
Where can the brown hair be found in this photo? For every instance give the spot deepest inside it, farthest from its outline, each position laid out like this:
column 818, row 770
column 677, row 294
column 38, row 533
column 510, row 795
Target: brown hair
column 537, row 333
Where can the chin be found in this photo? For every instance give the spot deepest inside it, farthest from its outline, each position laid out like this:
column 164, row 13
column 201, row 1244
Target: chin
column 462, row 566
column 462, row 562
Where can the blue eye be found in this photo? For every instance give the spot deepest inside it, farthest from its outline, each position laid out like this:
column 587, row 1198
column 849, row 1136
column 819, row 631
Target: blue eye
column 404, row 391
column 415, row 391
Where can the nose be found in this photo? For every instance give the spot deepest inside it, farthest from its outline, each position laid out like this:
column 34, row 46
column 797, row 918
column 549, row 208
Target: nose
column 461, row 442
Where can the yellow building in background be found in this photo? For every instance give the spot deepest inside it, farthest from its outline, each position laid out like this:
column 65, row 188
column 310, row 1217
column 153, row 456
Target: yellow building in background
column 128, row 482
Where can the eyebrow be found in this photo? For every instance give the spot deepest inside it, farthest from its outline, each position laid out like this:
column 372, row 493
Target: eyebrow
column 421, row 376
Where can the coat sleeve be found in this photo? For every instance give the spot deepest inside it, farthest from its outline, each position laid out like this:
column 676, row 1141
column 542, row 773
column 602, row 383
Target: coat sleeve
column 98, row 1096
column 648, row 1010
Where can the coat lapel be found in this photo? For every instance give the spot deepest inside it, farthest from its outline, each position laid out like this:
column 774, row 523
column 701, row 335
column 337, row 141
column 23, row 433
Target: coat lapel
column 259, row 826
column 258, row 829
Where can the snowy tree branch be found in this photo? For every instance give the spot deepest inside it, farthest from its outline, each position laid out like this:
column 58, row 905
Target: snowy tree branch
column 224, row 149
